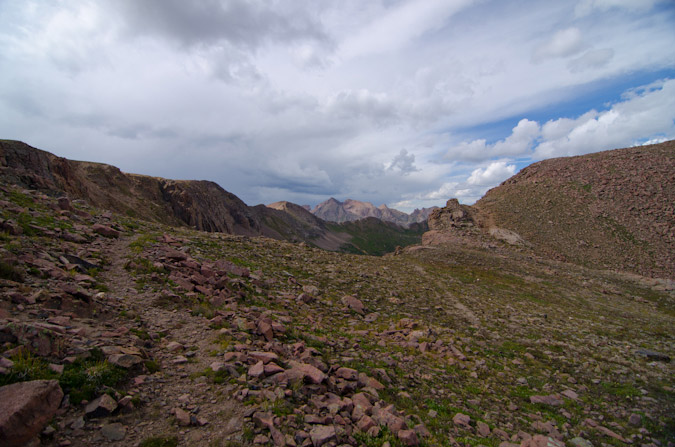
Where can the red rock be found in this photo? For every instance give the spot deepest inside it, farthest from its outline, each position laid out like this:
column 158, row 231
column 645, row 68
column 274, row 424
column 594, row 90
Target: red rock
column 265, row 329
column 265, row 357
column 408, row 437
column 483, row 429
column 541, row 441
column 277, row 437
column 126, row 361
column 347, row 373
column 309, row 373
column 362, row 400
column 175, row 255
column 106, row 231
column 263, row 420
column 365, row 423
column 182, row 417
column 570, row 394
column 353, row 303
column 312, row 290
column 462, row 420
column 546, row 400
column 321, row 434
column 101, row 406
column 306, row 298
column 256, row 371
column 272, row 369
column 26, row 408
column 607, row 432
column 217, row 366
column 366, row 381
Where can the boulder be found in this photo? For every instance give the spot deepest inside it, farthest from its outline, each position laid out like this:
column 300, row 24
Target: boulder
column 546, row 400
column 101, row 406
column 106, row 231
column 541, row 441
column 408, row 438
column 462, row 420
column 353, row 303
column 321, row 434
column 26, row 408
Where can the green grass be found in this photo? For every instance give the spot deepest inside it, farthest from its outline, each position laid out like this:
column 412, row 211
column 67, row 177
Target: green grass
column 374, row 237
column 86, row 378
column 10, row 272
column 27, row 367
column 620, row 389
column 377, row 441
column 159, row 441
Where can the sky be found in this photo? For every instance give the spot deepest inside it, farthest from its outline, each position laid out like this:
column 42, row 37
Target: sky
column 406, row 103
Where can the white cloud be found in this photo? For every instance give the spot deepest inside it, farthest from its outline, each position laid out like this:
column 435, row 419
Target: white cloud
column 591, row 60
column 495, row 173
column 400, row 25
column 520, row 142
column 563, row 43
column 645, row 113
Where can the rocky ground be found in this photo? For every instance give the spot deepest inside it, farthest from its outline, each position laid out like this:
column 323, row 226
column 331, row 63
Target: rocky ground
column 158, row 336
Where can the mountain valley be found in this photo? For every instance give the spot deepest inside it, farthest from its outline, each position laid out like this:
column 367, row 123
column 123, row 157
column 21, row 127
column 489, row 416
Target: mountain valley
column 150, row 312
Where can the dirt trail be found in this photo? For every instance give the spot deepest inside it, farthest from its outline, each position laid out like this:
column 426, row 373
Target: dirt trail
column 172, row 386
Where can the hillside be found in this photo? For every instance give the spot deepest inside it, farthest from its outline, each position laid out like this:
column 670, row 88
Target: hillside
column 333, row 210
column 203, row 205
column 613, row 209
column 126, row 332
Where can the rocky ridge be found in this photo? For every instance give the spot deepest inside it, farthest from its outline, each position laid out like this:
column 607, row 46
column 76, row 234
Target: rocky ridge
column 163, row 335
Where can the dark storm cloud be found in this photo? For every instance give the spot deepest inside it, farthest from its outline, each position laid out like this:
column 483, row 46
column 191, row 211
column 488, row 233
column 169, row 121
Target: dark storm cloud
column 244, row 24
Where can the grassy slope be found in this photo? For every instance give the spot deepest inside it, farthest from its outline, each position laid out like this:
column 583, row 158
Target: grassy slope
column 375, row 237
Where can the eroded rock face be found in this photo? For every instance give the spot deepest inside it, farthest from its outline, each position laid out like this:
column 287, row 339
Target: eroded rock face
column 26, row 408
column 452, row 216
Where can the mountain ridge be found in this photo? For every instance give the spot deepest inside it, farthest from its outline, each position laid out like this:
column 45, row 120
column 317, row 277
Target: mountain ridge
column 200, row 204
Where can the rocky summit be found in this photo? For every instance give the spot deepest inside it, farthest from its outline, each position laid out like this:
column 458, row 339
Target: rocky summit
column 127, row 331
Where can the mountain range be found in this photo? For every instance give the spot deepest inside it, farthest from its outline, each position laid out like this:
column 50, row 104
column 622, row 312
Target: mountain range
column 612, row 208
column 351, row 210
column 200, row 204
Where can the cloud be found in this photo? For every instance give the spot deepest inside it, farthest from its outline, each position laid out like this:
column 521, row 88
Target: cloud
column 403, row 162
column 520, row 142
column 244, row 24
column 399, row 26
column 564, row 43
column 647, row 112
column 586, row 7
column 591, row 60
column 300, row 100
column 495, row 173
